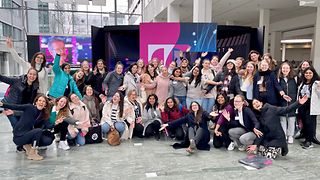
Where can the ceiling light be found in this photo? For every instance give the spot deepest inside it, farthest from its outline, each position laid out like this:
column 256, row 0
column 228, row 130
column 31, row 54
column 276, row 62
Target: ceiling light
column 295, row 41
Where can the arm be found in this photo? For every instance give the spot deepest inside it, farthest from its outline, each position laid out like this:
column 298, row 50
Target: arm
column 276, row 84
column 56, row 65
column 18, row 59
column 75, row 88
column 8, row 80
column 225, row 57
column 21, row 107
column 164, row 117
column 253, row 118
column 286, row 109
column 178, row 122
column 105, row 114
column 171, row 90
column 255, row 91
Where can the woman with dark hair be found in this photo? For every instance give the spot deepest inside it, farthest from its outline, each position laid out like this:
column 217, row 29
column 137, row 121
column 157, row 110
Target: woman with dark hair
column 151, row 117
column 170, row 112
column 113, row 81
column 288, row 83
column 266, row 87
column 131, row 78
column 24, row 133
column 216, row 65
column 22, row 90
column 113, row 115
column 63, row 83
column 198, row 135
column 310, row 87
column 194, row 91
column 92, row 103
column 38, row 62
column 302, row 66
column 151, row 71
column 85, row 67
column 254, row 56
column 79, row 79
column 177, row 88
column 227, row 81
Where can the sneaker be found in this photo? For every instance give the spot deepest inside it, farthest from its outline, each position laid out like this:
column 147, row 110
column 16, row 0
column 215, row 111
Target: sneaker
column 63, row 145
column 20, row 149
column 242, row 148
column 290, row 140
column 307, row 145
column 57, row 137
column 231, row 146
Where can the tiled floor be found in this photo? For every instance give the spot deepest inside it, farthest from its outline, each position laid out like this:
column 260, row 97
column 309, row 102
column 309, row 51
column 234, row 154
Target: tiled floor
column 138, row 159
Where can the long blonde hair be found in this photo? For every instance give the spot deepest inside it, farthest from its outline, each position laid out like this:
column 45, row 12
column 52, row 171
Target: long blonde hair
column 246, row 73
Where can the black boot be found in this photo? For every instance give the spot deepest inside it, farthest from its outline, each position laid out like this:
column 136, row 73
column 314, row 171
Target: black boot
column 315, row 140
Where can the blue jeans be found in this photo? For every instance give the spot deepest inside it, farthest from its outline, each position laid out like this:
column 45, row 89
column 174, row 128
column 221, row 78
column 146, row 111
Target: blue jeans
column 207, row 104
column 190, row 100
column 119, row 126
column 79, row 139
column 182, row 100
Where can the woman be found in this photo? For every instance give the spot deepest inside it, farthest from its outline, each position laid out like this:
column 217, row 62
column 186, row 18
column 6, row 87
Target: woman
column 227, row 81
column 131, row 79
column 151, row 71
column 266, row 87
column 177, row 88
column 255, row 57
column 243, row 125
column 24, row 133
column 197, row 123
column 63, row 83
column 170, row 112
column 151, row 117
column 310, row 87
column 273, row 141
column 38, row 62
column 113, row 81
column 272, row 62
column 288, row 83
column 207, row 74
column 79, row 79
column 141, row 67
column 92, row 103
column 194, row 91
column 81, row 113
column 22, row 90
column 59, row 112
column 134, row 109
column 217, row 65
column 97, row 77
column 302, row 66
column 246, row 82
column 113, row 116
column 172, row 66
column 162, row 85
column 85, row 67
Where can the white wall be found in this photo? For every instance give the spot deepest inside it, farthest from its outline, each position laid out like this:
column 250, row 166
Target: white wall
column 298, row 54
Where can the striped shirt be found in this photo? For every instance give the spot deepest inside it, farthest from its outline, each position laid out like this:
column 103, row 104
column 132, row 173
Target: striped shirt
column 114, row 110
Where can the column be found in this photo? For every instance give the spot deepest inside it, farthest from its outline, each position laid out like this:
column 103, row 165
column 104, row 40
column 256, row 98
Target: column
column 283, row 52
column 275, row 45
column 264, row 21
column 202, row 10
column 316, row 43
column 173, row 14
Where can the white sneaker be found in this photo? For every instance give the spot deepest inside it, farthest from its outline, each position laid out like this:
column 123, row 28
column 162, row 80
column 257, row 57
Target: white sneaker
column 63, row 145
column 290, row 140
column 242, row 148
column 231, row 146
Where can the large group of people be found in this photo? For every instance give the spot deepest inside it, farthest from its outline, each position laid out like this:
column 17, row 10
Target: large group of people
column 251, row 105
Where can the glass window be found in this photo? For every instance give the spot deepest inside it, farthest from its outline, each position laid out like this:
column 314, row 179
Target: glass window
column 6, row 3
column 7, row 30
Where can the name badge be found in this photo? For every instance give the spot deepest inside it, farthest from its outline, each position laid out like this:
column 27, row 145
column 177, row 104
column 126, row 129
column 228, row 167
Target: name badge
column 237, row 118
column 174, row 82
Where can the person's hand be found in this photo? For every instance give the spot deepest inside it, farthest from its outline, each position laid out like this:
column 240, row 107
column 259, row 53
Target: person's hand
column 95, row 71
column 219, row 83
column 287, row 98
column 9, row 42
column 257, row 132
column 180, row 54
column 60, row 120
column 161, row 107
column 303, row 100
column 142, row 88
column 58, row 51
column 282, row 93
column 251, row 148
column 8, row 112
column 214, row 114
column 1, row 103
column 139, row 120
column 217, row 133
column 204, row 54
column 128, row 111
column 226, row 114
column 230, row 50
column 163, row 126
column 132, row 125
column 121, row 88
column 188, row 49
column 83, row 133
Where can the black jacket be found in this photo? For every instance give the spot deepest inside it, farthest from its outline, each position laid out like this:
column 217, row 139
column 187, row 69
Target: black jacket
column 234, row 85
column 290, row 88
column 249, row 119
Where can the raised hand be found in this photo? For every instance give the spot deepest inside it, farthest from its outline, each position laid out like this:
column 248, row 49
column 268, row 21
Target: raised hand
column 9, row 42
column 230, row 50
column 303, row 100
column 226, row 114
column 204, row 54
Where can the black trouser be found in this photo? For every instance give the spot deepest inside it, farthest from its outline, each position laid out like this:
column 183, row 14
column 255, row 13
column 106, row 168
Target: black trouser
column 309, row 123
column 152, row 129
column 219, row 141
column 177, row 132
column 62, row 128
column 29, row 138
column 138, row 130
column 196, row 134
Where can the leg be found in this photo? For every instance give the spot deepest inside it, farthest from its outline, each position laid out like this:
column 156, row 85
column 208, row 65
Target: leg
column 283, row 122
column 235, row 134
column 31, row 137
column 105, row 128
column 80, row 139
column 179, row 133
column 138, row 130
column 120, row 127
column 13, row 120
column 199, row 135
column 63, row 129
column 188, row 102
column 247, row 138
column 291, row 126
column 205, row 104
column 191, row 133
column 149, row 131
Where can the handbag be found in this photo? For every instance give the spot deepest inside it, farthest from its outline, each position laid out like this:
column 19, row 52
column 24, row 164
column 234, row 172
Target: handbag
column 94, row 134
column 113, row 137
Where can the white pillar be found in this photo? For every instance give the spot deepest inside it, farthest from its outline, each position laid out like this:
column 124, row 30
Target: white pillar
column 275, row 45
column 229, row 23
column 7, row 65
column 283, row 52
column 173, row 14
column 202, row 10
column 264, row 21
column 316, row 43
